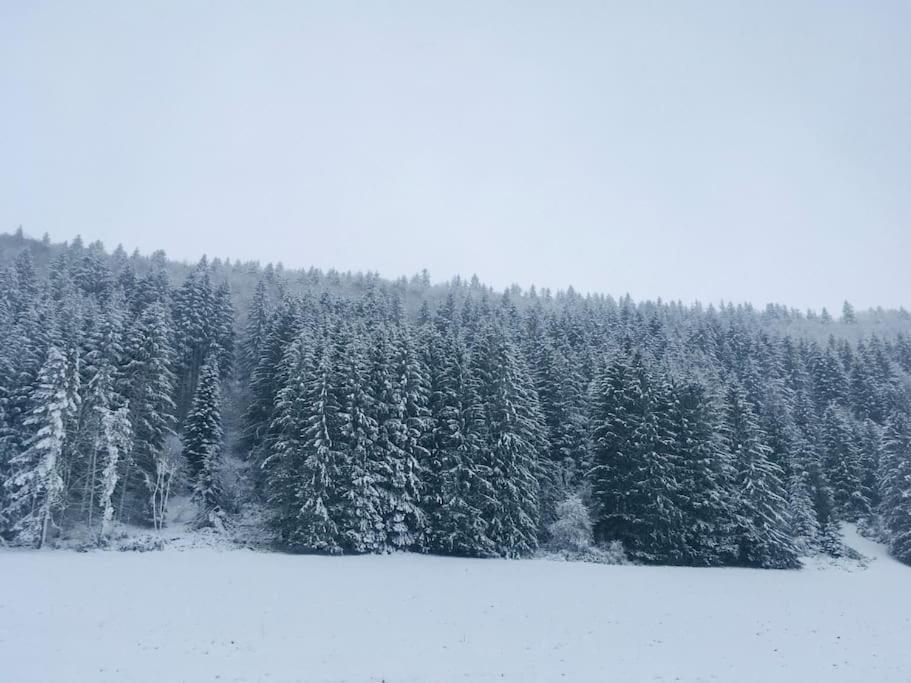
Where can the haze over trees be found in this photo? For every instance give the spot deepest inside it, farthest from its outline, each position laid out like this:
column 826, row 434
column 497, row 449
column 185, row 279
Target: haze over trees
column 370, row 415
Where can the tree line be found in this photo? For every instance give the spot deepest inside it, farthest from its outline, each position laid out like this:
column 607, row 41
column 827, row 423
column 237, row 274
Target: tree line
column 451, row 420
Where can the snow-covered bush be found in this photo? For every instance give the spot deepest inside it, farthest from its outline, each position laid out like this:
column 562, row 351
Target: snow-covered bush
column 612, row 553
column 572, row 530
column 141, row 544
column 571, row 536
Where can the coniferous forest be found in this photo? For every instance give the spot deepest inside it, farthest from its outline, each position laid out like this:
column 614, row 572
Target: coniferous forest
column 365, row 415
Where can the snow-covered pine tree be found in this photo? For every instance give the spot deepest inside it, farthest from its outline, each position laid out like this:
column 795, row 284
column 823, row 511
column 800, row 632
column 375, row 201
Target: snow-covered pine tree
column 7, row 373
column 26, row 349
column 303, row 471
column 99, row 398
column 223, row 332
column 202, row 444
column 102, row 349
column 634, row 478
column 829, row 380
column 459, row 478
column 285, row 491
column 153, row 288
column 382, row 409
column 115, row 440
column 266, row 381
column 705, row 479
column 192, row 311
column 93, row 275
column 37, row 494
column 561, row 395
column 405, row 426
column 764, row 529
column 516, row 440
column 895, row 484
column 842, row 461
column 147, row 385
column 360, row 518
column 254, row 337
column 869, row 439
column 805, row 525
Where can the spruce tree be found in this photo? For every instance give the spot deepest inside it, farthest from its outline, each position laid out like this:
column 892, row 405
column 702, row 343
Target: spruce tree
column 202, row 444
column 36, row 483
column 405, row 424
column 360, row 518
column 193, row 313
column 255, row 332
column 114, row 441
column 460, row 488
column 560, row 387
column 805, row 527
column 634, row 479
column 895, row 483
column 147, row 386
column 843, row 464
column 705, row 480
column 515, row 442
column 223, row 332
column 303, row 470
column 267, row 380
column 763, row 528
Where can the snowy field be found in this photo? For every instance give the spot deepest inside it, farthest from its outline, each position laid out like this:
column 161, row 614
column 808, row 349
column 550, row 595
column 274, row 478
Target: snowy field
column 239, row 615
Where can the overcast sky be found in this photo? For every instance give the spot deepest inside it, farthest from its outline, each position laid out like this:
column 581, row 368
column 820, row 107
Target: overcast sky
column 691, row 150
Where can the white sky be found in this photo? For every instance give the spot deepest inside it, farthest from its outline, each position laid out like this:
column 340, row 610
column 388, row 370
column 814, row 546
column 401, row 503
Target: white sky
column 694, row 150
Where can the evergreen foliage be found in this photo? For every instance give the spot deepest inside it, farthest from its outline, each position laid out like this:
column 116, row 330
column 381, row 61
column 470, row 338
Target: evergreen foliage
column 381, row 416
column 202, row 443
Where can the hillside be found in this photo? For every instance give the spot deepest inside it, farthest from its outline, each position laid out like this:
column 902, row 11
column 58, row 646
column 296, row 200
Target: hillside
column 359, row 415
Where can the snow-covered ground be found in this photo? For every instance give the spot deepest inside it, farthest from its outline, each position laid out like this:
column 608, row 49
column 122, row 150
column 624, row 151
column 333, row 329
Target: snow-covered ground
column 205, row 614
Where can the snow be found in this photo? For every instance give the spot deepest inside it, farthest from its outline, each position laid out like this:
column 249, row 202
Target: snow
column 207, row 614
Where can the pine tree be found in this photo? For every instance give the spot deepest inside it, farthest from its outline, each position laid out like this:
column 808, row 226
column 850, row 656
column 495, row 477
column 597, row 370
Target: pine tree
column 404, row 425
column 805, row 526
column 36, row 486
column 515, row 442
column 303, row 470
column 26, row 348
column 843, row 464
column 559, row 385
column 192, row 311
column 869, row 439
column 705, row 479
column 634, row 482
column 267, row 380
column 148, row 385
column 763, row 524
column 895, row 483
column 256, row 331
column 847, row 314
column 223, row 333
column 202, row 444
column 460, row 487
column 90, row 440
column 115, row 440
column 360, row 519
